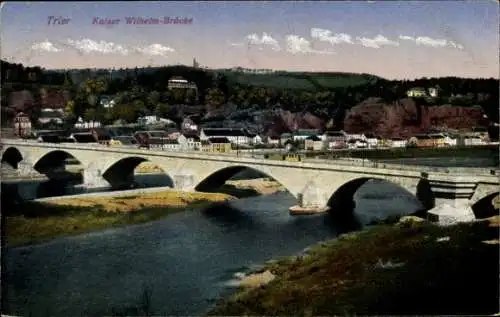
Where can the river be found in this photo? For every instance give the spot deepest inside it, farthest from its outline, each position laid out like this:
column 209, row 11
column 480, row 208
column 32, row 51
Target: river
column 187, row 260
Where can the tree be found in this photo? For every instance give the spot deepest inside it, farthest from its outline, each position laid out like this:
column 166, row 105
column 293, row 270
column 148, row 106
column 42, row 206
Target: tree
column 90, row 114
column 153, row 99
column 190, row 96
column 215, row 97
column 70, row 107
column 161, row 110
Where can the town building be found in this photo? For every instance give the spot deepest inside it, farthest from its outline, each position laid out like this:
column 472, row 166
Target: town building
column 22, row 125
column 216, row 144
column 397, row 142
column 235, row 136
column 302, row 134
column 81, row 124
column 417, row 92
column 372, row 140
column 334, row 139
column 273, row 140
column 314, row 143
column 107, row 102
column 189, row 142
column 178, row 82
column 171, row 145
column 49, row 115
column 154, row 120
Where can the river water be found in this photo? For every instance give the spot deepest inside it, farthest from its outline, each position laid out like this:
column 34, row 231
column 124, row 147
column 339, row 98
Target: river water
column 186, row 261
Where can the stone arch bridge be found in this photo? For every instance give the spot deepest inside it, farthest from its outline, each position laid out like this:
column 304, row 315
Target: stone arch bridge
column 316, row 185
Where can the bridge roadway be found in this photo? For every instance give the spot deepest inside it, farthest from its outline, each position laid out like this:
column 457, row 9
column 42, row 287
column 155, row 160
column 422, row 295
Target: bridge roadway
column 315, row 183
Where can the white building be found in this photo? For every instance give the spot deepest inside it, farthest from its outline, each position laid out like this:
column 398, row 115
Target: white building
column 273, row 140
column 357, row 144
column 255, row 139
column 151, row 120
column 398, row 143
column 372, row 140
column 334, row 139
column 433, row 92
column 22, row 125
column 49, row 115
column 180, row 83
column 189, row 142
column 471, row 140
column 107, row 102
column 356, row 137
column 80, row 124
column 171, row 145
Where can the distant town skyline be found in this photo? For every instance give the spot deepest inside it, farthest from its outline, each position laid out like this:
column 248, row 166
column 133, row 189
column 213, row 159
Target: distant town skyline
column 394, row 40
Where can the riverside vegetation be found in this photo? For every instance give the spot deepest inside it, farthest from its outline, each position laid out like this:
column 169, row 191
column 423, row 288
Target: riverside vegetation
column 35, row 222
column 412, row 267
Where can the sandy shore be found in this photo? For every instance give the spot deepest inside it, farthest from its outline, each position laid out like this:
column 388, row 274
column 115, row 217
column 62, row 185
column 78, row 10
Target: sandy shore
column 126, row 202
column 147, row 168
column 256, row 279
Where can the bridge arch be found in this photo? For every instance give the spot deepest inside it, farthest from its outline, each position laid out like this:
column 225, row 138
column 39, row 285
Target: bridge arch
column 485, row 206
column 219, row 177
column 12, row 156
column 342, row 203
column 49, row 162
column 120, row 173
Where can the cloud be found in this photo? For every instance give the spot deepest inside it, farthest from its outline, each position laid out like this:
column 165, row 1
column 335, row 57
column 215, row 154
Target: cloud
column 376, row 42
column 428, row 41
column 299, row 45
column 89, row 46
column 327, row 36
column 46, row 46
column 265, row 39
column 406, row 38
column 156, row 50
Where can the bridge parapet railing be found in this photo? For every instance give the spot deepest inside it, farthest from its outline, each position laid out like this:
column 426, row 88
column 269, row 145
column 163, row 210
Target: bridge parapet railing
column 359, row 162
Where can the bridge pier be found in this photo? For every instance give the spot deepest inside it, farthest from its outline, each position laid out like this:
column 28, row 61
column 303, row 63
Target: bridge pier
column 311, row 200
column 92, row 178
column 25, row 169
column 184, row 181
column 452, row 202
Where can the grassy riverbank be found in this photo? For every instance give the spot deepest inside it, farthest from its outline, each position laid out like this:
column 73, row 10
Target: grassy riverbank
column 35, row 222
column 407, row 268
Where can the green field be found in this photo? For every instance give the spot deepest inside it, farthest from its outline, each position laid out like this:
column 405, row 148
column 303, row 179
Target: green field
column 292, row 80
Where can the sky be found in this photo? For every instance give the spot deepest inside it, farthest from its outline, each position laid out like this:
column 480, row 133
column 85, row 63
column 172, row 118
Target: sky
column 395, row 40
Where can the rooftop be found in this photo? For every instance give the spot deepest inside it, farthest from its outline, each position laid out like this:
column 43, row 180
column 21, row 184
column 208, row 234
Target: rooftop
column 215, row 132
column 219, row 140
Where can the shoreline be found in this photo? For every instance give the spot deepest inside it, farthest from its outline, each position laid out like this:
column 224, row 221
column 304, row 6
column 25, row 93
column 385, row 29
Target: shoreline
column 362, row 257
column 35, row 222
